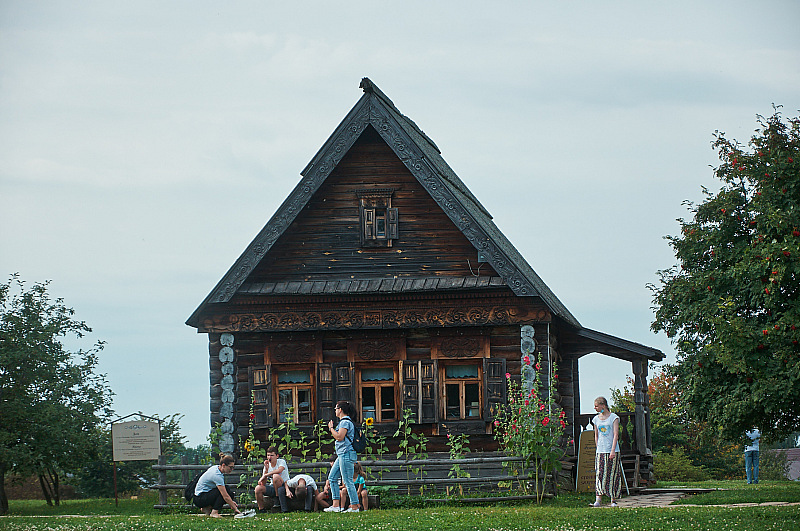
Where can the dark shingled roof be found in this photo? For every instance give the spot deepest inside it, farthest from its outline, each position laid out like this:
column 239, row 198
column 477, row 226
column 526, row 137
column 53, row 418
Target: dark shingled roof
column 423, row 159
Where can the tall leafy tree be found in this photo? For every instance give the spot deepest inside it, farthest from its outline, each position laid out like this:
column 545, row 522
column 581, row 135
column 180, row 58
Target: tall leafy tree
column 731, row 304
column 50, row 398
column 675, row 432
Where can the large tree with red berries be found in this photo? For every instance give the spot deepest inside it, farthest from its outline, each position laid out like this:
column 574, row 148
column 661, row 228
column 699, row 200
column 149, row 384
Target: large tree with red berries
column 731, row 304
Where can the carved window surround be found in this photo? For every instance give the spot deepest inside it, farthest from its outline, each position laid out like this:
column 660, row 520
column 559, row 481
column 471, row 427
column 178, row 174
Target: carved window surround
column 378, row 220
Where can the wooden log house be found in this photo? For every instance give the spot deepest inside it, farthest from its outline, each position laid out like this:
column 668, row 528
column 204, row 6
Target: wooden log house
column 382, row 280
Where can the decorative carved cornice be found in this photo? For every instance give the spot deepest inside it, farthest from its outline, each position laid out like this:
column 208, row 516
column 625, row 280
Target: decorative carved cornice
column 461, row 347
column 293, row 352
column 378, row 350
column 365, row 319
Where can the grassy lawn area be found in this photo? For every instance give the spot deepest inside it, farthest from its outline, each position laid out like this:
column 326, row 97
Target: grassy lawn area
column 567, row 512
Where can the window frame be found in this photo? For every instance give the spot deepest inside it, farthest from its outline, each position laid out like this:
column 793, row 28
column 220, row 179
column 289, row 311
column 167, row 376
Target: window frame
column 310, row 386
column 461, row 383
column 379, row 385
column 375, row 205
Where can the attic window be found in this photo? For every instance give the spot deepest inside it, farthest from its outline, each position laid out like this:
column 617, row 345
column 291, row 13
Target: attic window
column 378, row 220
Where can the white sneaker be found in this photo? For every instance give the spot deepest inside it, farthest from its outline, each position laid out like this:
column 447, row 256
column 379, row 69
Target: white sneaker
column 332, row 509
column 351, row 510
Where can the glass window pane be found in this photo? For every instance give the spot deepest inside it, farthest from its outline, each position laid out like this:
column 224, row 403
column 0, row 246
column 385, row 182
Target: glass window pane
column 368, row 402
column 387, row 403
column 377, row 374
column 304, row 413
column 461, row 371
column 380, row 224
column 473, row 401
column 453, row 401
column 294, row 377
column 285, row 402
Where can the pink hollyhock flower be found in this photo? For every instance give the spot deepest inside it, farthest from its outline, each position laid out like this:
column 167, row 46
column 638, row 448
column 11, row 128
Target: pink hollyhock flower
column 541, row 406
column 496, row 422
column 508, row 375
column 545, row 421
column 527, row 360
column 563, row 424
column 527, row 402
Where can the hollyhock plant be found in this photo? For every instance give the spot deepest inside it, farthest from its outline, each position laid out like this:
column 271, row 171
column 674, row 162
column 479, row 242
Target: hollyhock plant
column 523, row 428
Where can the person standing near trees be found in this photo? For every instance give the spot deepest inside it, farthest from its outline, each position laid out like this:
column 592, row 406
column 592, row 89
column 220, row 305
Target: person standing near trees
column 346, row 456
column 608, row 479
column 751, row 456
column 211, row 492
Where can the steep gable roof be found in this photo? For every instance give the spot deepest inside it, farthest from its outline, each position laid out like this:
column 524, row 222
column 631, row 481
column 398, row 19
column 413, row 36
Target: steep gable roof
column 423, row 159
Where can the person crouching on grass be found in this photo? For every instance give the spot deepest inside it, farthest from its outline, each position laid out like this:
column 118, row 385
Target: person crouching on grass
column 277, row 473
column 607, row 459
column 211, row 493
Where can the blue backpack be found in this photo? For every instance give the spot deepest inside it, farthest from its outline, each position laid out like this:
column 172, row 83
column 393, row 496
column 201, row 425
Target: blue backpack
column 359, row 439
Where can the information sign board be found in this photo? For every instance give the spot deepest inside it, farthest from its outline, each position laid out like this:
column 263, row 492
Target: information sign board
column 138, row 440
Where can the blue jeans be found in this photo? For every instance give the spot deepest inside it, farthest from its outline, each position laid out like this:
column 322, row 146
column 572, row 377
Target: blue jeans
column 751, row 465
column 343, row 467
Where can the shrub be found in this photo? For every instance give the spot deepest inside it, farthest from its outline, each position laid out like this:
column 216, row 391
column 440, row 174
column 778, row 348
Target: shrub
column 773, row 464
column 677, row 466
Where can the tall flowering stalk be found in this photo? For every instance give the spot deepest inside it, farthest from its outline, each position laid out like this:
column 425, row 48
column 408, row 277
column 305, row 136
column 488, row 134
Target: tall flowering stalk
column 530, row 426
column 252, row 455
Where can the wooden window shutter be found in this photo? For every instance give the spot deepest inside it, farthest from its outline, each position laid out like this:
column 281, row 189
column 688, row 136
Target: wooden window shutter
column 420, row 392
column 260, row 379
column 409, row 379
column 325, row 401
column 428, row 370
column 494, row 389
column 343, row 382
column 334, row 383
column 369, row 223
column 391, row 223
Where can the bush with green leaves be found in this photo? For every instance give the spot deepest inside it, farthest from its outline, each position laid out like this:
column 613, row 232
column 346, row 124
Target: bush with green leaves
column 677, row 466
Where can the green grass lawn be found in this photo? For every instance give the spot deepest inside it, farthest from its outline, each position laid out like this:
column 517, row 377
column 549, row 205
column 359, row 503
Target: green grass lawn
column 568, row 511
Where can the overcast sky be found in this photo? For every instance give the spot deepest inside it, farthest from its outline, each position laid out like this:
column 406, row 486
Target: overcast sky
column 144, row 144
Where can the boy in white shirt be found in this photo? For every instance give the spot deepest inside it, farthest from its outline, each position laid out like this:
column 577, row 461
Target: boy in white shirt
column 303, row 486
column 277, row 472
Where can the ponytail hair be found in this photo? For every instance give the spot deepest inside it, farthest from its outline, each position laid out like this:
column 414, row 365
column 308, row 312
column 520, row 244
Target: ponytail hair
column 226, row 459
column 349, row 410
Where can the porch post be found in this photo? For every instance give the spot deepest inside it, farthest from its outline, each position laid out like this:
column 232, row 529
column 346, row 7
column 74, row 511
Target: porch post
column 641, row 402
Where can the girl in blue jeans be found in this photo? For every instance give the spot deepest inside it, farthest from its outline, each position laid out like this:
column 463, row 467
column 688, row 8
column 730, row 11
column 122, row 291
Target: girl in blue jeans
column 346, row 457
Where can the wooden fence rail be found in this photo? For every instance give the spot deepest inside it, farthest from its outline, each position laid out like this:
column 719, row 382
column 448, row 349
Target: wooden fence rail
column 485, row 470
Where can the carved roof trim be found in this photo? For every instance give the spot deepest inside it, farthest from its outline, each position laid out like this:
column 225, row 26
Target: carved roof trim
column 421, row 156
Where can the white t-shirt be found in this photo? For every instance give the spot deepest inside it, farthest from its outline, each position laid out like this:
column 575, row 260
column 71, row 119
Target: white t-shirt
column 210, row 480
column 310, row 483
column 755, row 437
column 278, row 463
column 605, row 433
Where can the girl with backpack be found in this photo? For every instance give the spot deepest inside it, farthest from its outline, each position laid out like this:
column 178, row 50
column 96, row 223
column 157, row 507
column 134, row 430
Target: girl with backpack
column 346, row 456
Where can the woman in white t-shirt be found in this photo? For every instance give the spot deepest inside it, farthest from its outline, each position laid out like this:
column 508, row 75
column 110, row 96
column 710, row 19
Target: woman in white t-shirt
column 211, row 492
column 608, row 479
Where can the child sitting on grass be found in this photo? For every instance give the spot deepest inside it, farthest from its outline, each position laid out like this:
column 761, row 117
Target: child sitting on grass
column 361, row 487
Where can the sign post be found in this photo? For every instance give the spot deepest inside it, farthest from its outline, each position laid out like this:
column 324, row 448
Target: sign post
column 585, row 478
column 135, row 440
